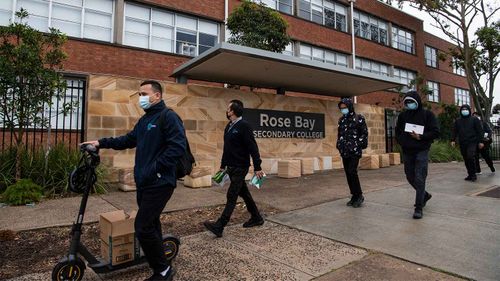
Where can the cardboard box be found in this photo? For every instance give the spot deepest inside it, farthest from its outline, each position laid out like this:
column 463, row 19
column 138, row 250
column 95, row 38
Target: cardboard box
column 270, row 166
column 337, row 162
column 118, row 254
column 326, row 163
column 394, row 158
column 369, row 162
column 384, row 160
column 116, row 227
column 307, row 166
column 289, row 169
column 203, row 181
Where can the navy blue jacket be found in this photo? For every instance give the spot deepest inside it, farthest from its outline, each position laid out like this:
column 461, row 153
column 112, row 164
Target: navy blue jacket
column 157, row 149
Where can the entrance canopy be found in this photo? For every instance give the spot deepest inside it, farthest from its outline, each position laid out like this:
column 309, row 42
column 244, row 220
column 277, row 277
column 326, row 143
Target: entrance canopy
column 240, row 65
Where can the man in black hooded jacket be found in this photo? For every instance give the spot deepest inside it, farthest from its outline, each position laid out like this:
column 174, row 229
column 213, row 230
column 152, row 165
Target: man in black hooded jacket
column 469, row 132
column 352, row 138
column 416, row 146
column 486, row 141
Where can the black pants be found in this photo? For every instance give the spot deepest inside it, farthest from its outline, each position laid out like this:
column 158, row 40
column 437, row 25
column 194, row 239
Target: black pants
column 469, row 153
column 485, row 152
column 351, row 173
column 238, row 187
column 148, row 226
column 416, row 165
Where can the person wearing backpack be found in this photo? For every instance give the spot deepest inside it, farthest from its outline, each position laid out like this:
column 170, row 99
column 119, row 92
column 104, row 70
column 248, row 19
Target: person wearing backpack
column 160, row 142
column 352, row 138
column 416, row 146
column 239, row 145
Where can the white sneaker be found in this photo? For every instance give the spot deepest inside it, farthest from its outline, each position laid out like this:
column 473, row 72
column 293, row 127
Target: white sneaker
column 480, row 173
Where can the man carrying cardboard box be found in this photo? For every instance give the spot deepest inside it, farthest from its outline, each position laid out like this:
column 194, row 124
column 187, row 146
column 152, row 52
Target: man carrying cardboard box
column 157, row 152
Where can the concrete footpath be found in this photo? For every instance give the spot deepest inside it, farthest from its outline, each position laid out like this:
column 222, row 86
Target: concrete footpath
column 315, row 236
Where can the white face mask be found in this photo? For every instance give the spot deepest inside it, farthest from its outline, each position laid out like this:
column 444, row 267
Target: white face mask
column 144, row 102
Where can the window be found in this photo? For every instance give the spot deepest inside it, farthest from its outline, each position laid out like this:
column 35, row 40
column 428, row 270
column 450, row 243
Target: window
column 406, row 77
column 459, row 70
column 167, row 31
column 324, row 12
column 372, row 66
column 370, row 28
column 402, row 39
column 462, row 96
column 75, row 90
column 434, row 91
column 91, row 19
column 289, row 50
column 318, row 54
column 430, row 56
column 285, row 6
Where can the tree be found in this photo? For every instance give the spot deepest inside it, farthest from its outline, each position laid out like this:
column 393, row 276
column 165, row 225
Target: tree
column 257, row 26
column 30, row 62
column 496, row 109
column 479, row 57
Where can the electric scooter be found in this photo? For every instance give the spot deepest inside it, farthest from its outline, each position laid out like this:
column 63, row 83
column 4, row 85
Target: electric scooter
column 71, row 267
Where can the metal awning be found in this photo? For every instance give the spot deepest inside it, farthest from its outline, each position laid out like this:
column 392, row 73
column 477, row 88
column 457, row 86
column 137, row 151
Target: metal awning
column 240, row 65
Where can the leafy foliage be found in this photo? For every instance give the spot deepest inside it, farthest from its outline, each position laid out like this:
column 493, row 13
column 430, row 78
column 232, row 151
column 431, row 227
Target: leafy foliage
column 48, row 169
column 258, row 26
column 30, row 77
column 442, row 151
column 23, row 192
column 446, row 120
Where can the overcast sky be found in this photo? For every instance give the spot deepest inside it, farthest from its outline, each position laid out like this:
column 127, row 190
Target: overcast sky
column 428, row 21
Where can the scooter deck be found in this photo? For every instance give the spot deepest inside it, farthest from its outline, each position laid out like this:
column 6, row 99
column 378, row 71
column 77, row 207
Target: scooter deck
column 105, row 267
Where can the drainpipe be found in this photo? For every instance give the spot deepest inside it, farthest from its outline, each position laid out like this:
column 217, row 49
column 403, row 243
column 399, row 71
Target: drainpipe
column 353, row 43
column 226, row 14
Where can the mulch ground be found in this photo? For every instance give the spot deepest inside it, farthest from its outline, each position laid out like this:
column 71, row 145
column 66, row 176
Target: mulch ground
column 37, row 251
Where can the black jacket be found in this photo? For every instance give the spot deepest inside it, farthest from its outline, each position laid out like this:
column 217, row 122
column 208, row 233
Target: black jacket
column 468, row 129
column 419, row 116
column 352, row 136
column 157, row 149
column 239, row 144
column 487, row 131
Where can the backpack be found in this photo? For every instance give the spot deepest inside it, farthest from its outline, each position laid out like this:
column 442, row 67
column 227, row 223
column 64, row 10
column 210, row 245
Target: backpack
column 185, row 164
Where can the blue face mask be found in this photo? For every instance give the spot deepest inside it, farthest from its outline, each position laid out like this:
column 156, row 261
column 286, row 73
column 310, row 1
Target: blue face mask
column 344, row 111
column 144, row 102
column 465, row 113
column 411, row 106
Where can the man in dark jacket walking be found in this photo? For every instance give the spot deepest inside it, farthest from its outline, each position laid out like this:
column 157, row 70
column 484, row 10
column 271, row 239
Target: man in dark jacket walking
column 158, row 150
column 486, row 141
column 416, row 145
column 469, row 132
column 239, row 145
column 352, row 138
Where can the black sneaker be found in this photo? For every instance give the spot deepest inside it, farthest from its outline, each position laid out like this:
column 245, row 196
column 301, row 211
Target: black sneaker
column 428, row 197
column 469, row 178
column 492, row 169
column 215, row 228
column 351, row 201
column 157, row 276
column 357, row 203
column 418, row 214
column 254, row 222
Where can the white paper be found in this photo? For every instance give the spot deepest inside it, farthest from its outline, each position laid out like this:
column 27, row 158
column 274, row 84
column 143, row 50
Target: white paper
column 419, row 129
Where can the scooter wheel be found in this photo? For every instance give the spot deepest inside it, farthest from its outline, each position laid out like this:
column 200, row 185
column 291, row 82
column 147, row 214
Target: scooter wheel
column 171, row 247
column 64, row 271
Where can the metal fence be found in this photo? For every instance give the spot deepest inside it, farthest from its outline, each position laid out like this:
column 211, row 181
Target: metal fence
column 391, row 117
column 68, row 129
column 495, row 145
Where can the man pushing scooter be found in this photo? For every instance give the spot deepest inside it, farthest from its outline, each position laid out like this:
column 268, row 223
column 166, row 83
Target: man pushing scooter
column 160, row 142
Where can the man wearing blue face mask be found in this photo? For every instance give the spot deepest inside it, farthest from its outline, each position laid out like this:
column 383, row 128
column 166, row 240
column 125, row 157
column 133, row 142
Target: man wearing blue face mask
column 469, row 132
column 159, row 146
column 416, row 146
column 352, row 138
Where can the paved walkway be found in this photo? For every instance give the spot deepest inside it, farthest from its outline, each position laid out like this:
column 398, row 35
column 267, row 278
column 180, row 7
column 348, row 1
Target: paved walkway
column 460, row 233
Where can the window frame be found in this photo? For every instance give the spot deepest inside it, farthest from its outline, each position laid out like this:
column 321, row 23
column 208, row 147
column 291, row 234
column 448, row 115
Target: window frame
column 435, row 96
column 433, row 60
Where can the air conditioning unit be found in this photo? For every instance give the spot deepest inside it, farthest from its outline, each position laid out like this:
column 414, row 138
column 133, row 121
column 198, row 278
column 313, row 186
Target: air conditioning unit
column 188, row 49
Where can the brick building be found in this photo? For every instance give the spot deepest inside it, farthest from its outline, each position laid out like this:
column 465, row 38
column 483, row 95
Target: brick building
column 131, row 40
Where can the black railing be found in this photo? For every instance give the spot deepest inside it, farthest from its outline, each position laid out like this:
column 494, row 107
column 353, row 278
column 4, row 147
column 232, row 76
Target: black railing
column 63, row 128
column 391, row 117
column 495, row 145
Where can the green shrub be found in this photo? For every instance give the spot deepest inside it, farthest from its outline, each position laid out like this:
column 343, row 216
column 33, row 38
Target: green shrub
column 442, row 151
column 49, row 170
column 22, row 192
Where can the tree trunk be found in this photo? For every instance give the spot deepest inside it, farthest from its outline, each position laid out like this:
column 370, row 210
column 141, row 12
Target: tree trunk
column 19, row 150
